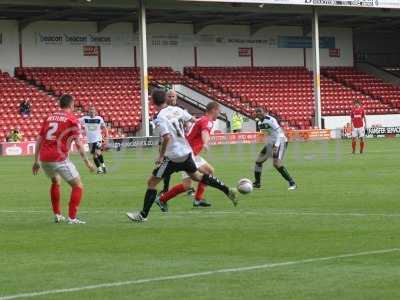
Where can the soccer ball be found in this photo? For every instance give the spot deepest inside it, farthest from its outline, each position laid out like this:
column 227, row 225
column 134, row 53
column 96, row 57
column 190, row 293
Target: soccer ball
column 245, row 186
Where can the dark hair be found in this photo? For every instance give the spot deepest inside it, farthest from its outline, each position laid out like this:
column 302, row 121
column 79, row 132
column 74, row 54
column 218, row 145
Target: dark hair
column 357, row 101
column 66, row 100
column 259, row 110
column 212, row 105
column 159, row 97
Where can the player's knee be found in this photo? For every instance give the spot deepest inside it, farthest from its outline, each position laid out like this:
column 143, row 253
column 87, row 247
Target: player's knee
column 187, row 183
column 259, row 164
column 277, row 164
column 77, row 182
column 56, row 180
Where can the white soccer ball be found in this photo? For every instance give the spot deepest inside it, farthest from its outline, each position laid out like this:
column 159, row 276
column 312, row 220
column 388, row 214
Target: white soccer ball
column 245, row 186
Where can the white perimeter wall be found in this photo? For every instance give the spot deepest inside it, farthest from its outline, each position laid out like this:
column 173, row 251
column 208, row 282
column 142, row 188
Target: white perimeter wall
column 176, row 56
column 383, row 120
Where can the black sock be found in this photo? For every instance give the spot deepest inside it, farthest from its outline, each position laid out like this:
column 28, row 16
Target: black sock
column 101, row 158
column 166, row 183
column 148, row 202
column 96, row 161
column 285, row 174
column 257, row 172
column 215, row 183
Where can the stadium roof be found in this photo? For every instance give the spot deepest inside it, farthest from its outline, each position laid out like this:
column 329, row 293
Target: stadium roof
column 107, row 12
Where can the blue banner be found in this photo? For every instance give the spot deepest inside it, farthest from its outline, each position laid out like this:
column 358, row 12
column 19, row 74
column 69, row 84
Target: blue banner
column 305, row 42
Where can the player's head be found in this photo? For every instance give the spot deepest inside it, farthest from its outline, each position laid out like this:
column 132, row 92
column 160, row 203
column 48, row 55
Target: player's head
column 260, row 112
column 92, row 111
column 357, row 103
column 213, row 110
column 171, row 97
column 159, row 97
column 67, row 102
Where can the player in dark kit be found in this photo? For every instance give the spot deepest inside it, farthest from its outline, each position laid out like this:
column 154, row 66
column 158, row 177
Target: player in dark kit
column 275, row 148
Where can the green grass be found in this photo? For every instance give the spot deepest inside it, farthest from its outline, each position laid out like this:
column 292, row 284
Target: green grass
column 344, row 204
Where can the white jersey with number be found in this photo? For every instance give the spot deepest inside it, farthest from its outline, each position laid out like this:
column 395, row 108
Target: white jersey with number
column 170, row 121
column 275, row 132
column 93, row 128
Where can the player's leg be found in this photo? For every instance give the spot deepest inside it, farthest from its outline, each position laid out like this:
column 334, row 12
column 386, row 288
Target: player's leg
column 261, row 159
column 278, row 156
column 165, row 169
column 70, row 174
column 166, row 181
column 354, row 135
column 100, row 157
column 92, row 147
column 178, row 189
column 55, row 194
column 199, row 201
column 361, row 135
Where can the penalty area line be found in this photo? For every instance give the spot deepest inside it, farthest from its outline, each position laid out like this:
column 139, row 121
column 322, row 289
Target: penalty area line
column 191, row 275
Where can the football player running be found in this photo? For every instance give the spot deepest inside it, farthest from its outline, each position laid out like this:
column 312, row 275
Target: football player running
column 94, row 127
column 175, row 155
column 275, row 148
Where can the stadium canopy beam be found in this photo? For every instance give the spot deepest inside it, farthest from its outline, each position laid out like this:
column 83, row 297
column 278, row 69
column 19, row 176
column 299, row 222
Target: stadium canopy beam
column 197, row 27
column 102, row 25
column 50, row 15
column 380, row 25
column 316, row 68
column 254, row 28
column 144, row 79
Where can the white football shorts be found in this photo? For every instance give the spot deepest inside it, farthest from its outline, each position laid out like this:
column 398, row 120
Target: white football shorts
column 66, row 169
column 358, row 132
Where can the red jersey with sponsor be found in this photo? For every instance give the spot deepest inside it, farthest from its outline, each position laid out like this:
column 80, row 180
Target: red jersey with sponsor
column 58, row 132
column 357, row 117
column 194, row 135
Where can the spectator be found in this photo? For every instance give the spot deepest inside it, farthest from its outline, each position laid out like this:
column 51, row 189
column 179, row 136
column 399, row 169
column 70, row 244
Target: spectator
column 347, row 129
column 25, row 108
column 15, row 135
column 237, row 122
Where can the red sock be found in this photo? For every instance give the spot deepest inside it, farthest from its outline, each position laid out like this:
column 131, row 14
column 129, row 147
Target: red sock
column 55, row 196
column 200, row 191
column 362, row 147
column 76, row 195
column 175, row 191
column 353, row 145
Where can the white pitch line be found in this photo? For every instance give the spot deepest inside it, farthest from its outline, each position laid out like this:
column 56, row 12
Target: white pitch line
column 205, row 213
column 191, row 275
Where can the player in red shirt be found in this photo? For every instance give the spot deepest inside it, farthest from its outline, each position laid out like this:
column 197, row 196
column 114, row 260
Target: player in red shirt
column 359, row 123
column 58, row 131
column 198, row 138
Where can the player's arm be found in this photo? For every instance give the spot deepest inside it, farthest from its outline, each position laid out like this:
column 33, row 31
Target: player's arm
column 165, row 139
column 365, row 120
column 81, row 150
column 205, row 136
column 36, row 165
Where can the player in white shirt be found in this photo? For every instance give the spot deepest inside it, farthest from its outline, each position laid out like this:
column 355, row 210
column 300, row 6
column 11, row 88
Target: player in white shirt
column 175, row 155
column 275, row 148
column 95, row 127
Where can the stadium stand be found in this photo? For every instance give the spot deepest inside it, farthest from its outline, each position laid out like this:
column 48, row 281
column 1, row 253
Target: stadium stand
column 367, row 84
column 285, row 91
column 12, row 93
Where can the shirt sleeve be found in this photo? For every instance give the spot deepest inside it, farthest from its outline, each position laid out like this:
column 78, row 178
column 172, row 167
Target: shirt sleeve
column 42, row 131
column 206, row 125
column 102, row 123
column 186, row 116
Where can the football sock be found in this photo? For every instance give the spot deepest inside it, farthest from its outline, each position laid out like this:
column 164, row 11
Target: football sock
column 55, row 198
column 257, row 172
column 172, row 193
column 96, row 162
column 362, row 147
column 166, row 183
column 200, row 191
column 353, row 145
column 285, row 174
column 215, row 183
column 76, row 196
column 149, row 198
column 101, row 158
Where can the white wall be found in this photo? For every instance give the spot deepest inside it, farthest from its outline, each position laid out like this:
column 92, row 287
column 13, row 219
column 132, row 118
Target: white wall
column 344, row 42
column 9, row 49
column 178, row 55
column 384, row 120
column 40, row 55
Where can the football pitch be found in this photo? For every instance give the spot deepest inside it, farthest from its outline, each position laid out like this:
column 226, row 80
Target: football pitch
column 336, row 237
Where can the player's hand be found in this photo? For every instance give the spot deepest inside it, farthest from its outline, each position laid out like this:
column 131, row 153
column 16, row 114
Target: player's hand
column 206, row 148
column 90, row 166
column 35, row 168
column 159, row 160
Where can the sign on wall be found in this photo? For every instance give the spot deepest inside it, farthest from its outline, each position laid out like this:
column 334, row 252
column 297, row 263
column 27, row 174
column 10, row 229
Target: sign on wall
column 339, row 3
column 305, row 42
column 79, row 39
column 245, row 52
column 334, row 52
column 90, row 50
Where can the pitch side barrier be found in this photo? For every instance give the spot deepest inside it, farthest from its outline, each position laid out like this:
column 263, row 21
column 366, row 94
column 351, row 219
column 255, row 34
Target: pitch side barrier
column 117, row 144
